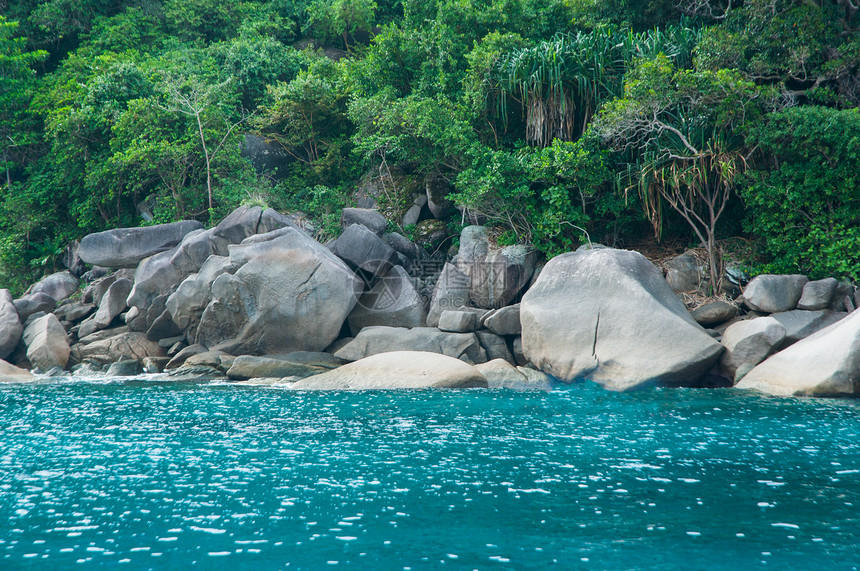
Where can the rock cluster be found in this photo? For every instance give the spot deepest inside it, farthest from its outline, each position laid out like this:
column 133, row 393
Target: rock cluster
column 257, row 299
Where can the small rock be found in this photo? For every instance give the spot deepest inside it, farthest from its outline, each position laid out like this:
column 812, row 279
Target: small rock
column 817, row 294
column 127, row 368
column 773, row 293
column 370, row 219
column 504, row 321
column 715, row 313
column 458, row 321
column 751, row 342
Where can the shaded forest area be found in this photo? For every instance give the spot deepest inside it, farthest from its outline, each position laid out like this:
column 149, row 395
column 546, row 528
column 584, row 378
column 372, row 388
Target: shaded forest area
column 716, row 123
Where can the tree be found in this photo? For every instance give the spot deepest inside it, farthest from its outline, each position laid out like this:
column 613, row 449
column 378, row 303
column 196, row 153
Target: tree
column 682, row 133
column 803, row 200
column 192, row 96
column 340, row 18
column 17, row 80
column 560, row 83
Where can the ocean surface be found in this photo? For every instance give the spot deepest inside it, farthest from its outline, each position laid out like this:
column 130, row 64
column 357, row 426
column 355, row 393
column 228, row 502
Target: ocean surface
column 146, row 475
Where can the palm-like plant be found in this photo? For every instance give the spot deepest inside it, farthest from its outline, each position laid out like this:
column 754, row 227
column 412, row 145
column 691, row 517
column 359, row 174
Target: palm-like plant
column 561, row 82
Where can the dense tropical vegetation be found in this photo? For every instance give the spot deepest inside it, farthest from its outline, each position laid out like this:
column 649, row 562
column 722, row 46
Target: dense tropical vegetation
column 556, row 121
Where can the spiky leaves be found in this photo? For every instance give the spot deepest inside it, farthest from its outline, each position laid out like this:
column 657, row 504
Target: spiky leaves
column 560, row 83
column 682, row 133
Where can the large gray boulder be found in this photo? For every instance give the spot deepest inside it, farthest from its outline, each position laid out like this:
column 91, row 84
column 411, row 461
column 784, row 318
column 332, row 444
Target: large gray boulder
column 825, row 364
column 364, row 251
column 370, row 219
column 398, row 370
column 47, row 343
column 158, row 275
column 290, row 293
column 393, row 301
column 749, row 342
column 187, row 303
column 374, row 340
column 608, row 315
column 770, row 293
column 495, row 275
column 126, row 247
column 450, row 293
column 161, row 274
column 10, row 325
column 59, row 286
column 817, row 294
column 112, row 303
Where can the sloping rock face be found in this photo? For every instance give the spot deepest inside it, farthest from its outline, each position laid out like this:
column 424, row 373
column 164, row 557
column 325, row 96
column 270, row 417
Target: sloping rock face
column 450, row 293
column 825, row 364
column 393, row 301
column 159, row 275
column 126, row 247
column 608, row 315
column 10, row 326
column 375, row 340
column 288, row 294
column 9, row 373
column 47, row 344
column 495, row 275
column 750, row 342
column 398, row 370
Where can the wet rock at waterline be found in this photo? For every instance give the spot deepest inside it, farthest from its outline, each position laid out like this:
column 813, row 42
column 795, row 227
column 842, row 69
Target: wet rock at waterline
column 398, row 370
column 374, row 340
column 608, row 315
column 825, row 364
column 10, row 325
column 298, row 365
column 47, row 343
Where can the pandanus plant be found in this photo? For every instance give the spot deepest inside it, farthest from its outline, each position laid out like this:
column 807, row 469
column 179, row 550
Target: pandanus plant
column 560, row 83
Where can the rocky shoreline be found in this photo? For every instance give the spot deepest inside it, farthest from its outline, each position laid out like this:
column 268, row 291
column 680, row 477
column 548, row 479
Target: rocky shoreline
column 257, row 299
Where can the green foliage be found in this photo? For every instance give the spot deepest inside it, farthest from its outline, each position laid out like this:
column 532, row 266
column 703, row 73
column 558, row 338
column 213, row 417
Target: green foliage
column 560, row 83
column 341, row 19
column 682, row 133
column 811, row 49
column 545, row 197
column 135, row 113
column 804, row 202
column 17, row 82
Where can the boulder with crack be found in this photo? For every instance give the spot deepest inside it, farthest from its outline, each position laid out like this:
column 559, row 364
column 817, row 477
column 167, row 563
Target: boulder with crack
column 609, row 316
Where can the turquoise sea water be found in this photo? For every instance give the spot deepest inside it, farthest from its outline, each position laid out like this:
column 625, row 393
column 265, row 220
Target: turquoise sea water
column 144, row 475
